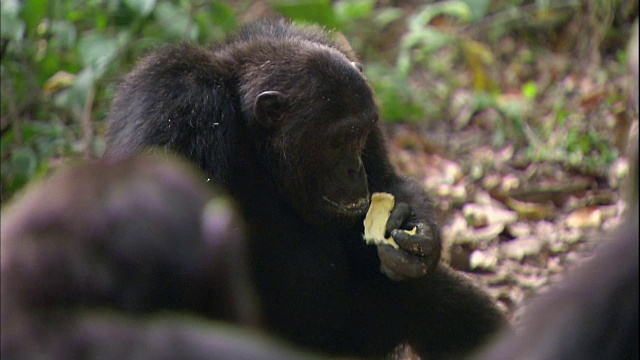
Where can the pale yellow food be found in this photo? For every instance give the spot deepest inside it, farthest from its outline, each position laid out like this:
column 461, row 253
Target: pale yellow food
column 376, row 220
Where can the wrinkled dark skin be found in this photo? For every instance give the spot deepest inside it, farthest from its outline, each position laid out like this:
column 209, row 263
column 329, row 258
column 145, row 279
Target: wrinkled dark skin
column 418, row 253
column 283, row 118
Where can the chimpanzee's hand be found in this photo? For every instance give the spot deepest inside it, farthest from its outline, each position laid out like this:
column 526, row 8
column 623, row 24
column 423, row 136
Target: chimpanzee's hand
column 418, row 254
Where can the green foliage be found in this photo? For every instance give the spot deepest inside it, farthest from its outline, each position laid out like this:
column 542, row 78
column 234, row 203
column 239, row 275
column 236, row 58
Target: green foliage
column 478, row 8
column 530, row 90
column 398, row 101
column 418, row 46
column 582, row 149
column 62, row 58
column 39, row 140
column 59, row 62
column 423, row 40
column 361, row 19
column 314, row 11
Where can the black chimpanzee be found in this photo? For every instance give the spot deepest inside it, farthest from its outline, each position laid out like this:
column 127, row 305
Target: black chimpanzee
column 283, row 118
column 81, row 280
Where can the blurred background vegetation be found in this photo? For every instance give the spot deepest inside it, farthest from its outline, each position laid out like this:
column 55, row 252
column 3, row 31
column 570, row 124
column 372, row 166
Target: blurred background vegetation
column 530, row 70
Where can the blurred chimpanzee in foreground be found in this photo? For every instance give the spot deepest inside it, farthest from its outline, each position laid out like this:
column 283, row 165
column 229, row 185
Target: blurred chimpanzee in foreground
column 127, row 260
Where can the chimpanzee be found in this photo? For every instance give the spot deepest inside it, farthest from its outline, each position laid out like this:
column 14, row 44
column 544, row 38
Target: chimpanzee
column 282, row 117
column 81, row 280
column 88, row 208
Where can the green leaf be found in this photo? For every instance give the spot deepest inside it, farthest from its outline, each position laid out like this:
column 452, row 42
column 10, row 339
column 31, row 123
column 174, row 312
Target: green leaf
column 76, row 96
column 426, row 41
column 176, row 22
column 223, row 16
column 10, row 8
column 350, row 10
column 7, row 141
column 432, row 40
column 141, row 7
column 485, row 100
column 398, row 102
column 457, row 9
column 33, row 12
column 22, row 167
column 315, row 11
column 12, row 28
column 63, row 33
column 478, row 8
column 215, row 20
column 387, row 16
column 530, row 90
column 403, row 63
column 34, row 132
column 98, row 51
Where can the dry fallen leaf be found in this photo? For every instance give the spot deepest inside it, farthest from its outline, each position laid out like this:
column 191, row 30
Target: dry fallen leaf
column 478, row 215
column 586, row 217
column 517, row 249
column 484, row 260
column 532, row 211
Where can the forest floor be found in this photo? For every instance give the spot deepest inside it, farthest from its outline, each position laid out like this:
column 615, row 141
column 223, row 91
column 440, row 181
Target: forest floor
column 513, row 224
column 515, row 228
column 522, row 200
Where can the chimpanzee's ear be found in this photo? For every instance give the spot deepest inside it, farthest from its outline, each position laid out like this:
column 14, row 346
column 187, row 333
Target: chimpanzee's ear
column 270, row 106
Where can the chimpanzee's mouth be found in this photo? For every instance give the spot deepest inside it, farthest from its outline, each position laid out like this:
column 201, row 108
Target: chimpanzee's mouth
column 357, row 207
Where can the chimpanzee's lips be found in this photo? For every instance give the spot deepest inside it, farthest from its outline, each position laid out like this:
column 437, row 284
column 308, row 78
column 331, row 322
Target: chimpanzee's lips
column 357, row 207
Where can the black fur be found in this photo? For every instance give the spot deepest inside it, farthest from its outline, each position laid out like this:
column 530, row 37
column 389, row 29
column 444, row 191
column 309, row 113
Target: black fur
column 136, row 238
column 283, row 118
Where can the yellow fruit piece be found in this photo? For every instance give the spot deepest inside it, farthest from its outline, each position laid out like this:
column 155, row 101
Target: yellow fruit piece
column 375, row 222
